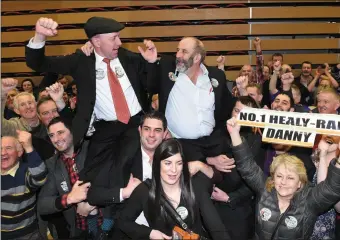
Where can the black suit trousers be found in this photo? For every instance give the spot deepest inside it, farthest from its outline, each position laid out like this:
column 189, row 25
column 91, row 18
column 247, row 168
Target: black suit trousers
column 201, row 148
column 111, row 141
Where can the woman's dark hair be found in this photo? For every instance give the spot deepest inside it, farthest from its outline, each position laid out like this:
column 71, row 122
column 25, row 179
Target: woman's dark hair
column 27, row 80
column 166, row 149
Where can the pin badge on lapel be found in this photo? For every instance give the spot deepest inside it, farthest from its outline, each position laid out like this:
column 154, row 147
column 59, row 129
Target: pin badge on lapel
column 64, row 186
column 172, row 76
column 119, row 72
column 214, row 83
column 100, row 74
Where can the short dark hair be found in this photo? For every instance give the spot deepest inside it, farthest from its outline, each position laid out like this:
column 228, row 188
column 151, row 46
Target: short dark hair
column 277, row 55
column 290, row 96
column 247, row 101
column 154, row 115
column 43, row 100
column 306, row 62
column 59, row 120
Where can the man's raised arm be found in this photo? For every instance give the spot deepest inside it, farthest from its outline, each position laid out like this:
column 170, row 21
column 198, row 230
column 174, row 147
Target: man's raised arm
column 35, row 50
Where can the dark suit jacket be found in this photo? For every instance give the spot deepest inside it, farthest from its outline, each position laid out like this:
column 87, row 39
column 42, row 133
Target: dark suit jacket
column 104, row 190
column 162, row 85
column 58, row 183
column 82, row 69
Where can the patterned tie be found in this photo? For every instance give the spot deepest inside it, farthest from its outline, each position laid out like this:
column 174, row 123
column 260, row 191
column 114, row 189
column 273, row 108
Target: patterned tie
column 118, row 97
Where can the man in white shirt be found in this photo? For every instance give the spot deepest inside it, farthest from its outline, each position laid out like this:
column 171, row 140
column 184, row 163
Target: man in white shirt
column 196, row 102
column 111, row 87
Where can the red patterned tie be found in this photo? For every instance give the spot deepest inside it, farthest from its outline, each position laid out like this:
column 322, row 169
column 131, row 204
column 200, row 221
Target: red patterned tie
column 118, row 97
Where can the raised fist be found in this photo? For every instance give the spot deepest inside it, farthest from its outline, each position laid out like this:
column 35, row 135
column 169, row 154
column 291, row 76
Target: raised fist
column 257, row 41
column 46, row 27
column 7, row 84
column 242, row 82
column 25, row 139
column 220, row 62
column 56, row 91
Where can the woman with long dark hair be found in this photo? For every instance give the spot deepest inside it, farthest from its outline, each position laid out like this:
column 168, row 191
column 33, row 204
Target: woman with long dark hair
column 171, row 181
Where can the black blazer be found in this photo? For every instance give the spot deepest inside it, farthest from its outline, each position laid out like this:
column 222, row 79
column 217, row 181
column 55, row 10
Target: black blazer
column 162, row 85
column 82, row 69
column 58, row 183
column 105, row 190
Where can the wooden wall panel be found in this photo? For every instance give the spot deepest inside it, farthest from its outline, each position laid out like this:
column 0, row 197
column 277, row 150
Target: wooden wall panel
column 196, row 30
column 236, row 60
column 40, row 5
column 232, row 28
column 296, row 12
column 219, row 46
column 132, row 16
column 179, row 14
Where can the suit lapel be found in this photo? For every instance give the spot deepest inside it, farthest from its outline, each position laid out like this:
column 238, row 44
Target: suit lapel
column 62, row 173
column 139, row 158
column 216, row 90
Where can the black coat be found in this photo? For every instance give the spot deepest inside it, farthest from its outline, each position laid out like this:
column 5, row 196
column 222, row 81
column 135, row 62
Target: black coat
column 162, row 85
column 82, row 69
column 305, row 207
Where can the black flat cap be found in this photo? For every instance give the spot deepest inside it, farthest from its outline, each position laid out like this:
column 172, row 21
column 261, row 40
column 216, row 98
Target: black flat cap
column 100, row 25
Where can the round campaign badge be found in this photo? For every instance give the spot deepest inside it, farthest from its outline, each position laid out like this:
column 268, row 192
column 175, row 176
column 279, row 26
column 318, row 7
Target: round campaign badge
column 119, row 72
column 172, row 76
column 100, row 74
column 291, row 222
column 265, row 214
column 183, row 212
column 214, row 82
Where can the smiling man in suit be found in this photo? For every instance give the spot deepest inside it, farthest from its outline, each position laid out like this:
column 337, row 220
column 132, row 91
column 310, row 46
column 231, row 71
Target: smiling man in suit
column 195, row 100
column 153, row 130
column 111, row 87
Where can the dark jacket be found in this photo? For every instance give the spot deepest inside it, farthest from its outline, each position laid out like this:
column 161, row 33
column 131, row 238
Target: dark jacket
column 138, row 202
column 162, row 85
column 306, row 205
column 58, row 183
column 82, row 69
column 238, row 191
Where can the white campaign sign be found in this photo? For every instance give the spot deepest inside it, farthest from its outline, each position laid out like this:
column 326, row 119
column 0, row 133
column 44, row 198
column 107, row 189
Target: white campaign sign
column 290, row 128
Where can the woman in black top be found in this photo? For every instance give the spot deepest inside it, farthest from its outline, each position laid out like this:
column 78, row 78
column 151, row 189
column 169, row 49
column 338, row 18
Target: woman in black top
column 170, row 179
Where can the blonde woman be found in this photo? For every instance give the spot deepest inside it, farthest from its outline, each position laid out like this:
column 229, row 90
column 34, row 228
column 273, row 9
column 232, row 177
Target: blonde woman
column 287, row 205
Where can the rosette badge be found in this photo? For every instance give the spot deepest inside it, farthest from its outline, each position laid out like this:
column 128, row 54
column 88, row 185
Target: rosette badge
column 172, row 76
column 214, row 82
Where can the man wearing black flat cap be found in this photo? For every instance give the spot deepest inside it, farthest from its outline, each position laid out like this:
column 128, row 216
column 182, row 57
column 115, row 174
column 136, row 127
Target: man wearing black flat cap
column 111, row 89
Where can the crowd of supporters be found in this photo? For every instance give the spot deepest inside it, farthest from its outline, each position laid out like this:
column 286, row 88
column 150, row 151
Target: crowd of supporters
column 147, row 146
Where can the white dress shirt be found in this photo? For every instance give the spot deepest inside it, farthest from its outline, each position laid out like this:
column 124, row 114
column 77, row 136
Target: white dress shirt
column 104, row 107
column 190, row 108
column 147, row 174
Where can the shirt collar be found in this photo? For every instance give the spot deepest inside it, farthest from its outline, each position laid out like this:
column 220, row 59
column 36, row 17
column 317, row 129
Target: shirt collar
column 64, row 158
column 145, row 155
column 204, row 69
column 99, row 59
column 12, row 171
